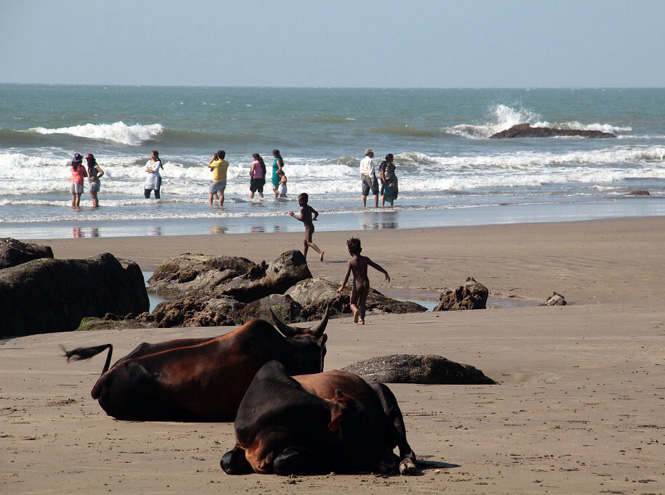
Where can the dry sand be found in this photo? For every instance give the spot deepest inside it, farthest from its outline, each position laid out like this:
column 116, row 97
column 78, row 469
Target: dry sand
column 580, row 407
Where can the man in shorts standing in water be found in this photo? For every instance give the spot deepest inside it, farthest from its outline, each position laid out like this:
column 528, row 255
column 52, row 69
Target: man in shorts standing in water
column 368, row 177
column 219, row 167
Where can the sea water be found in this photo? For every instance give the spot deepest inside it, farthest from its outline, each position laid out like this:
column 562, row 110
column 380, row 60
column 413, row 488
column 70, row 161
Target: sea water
column 450, row 171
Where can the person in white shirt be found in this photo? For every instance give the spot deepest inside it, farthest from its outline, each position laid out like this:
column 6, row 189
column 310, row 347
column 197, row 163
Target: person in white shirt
column 368, row 178
column 153, row 182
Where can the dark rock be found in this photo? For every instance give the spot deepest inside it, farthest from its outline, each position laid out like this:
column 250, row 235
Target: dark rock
column 385, row 304
column 49, row 295
column 284, row 307
column 275, row 278
column 195, row 274
column 471, row 295
column 205, row 277
column 14, row 252
column 525, row 130
column 193, row 312
column 639, row 193
column 409, row 368
column 316, row 294
column 555, row 300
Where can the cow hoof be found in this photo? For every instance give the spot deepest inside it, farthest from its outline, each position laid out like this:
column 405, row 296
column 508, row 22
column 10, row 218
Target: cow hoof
column 407, row 467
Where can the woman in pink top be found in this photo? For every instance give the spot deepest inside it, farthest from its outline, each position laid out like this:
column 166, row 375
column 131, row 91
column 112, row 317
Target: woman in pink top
column 257, row 176
column 78, row 174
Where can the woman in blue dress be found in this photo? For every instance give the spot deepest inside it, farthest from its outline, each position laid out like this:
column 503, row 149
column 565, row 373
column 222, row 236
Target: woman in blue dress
column 277, row 166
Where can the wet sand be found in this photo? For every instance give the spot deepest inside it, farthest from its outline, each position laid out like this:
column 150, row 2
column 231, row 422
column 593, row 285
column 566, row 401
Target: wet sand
column 578, row 410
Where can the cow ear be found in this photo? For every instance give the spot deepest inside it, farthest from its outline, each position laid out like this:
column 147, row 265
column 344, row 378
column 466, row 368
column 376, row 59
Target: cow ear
column 337, row 409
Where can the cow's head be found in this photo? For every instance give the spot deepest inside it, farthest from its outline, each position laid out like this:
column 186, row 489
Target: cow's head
column 311, row 342
column 361, row 445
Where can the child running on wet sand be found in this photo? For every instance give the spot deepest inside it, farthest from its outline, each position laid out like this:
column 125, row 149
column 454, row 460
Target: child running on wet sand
column 360, row 289
column 308, row 216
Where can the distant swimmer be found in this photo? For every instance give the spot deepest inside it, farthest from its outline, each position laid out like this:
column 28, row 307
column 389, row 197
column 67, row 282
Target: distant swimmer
column 368, row 177
column 78, row 174
column 360, row 289
column 277, row 166
column 308, row 216
column 219, row 168
column 153, row 182
column 94, row 173
column 257, row 176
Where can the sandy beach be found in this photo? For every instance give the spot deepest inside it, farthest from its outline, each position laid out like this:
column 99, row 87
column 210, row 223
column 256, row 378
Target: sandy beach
column 579, row 407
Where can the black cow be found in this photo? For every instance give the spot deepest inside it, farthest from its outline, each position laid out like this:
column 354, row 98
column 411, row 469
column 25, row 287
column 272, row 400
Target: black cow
column 315, row 424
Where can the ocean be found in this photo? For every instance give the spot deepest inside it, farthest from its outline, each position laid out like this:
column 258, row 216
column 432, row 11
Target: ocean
column 450, row 171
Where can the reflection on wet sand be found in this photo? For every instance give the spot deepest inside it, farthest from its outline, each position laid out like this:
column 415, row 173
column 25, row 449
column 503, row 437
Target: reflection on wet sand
column 380, row 226
column 78, row 232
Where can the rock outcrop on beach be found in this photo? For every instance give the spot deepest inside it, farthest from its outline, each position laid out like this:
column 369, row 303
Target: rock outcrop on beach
column 525, row 130
column 555, row 299
column 209, row 291
column 14, row 252
column 50, row 295
column 409, row 368
column 316, row 294
column 471, row 295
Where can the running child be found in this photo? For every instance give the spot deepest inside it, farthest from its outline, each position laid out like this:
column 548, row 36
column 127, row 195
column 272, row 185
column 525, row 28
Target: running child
column 308, row 216
column 360, row 289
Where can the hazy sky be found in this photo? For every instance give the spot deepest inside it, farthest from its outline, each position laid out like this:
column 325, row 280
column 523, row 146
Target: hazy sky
column 326, row 43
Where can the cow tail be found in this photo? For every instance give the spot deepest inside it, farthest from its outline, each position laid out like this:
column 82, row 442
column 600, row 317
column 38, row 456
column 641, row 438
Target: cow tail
column 83, row 353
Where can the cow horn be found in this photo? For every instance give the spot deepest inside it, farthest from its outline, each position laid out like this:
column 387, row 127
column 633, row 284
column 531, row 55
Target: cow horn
column 289, row 331
column 321, row 327
column 281, row 326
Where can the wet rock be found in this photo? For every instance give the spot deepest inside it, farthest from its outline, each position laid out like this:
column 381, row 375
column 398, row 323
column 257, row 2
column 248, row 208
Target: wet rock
column 471, row 295
column 410, row 368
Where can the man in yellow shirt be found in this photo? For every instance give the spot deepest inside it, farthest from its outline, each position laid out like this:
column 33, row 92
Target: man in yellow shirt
column 219, row 167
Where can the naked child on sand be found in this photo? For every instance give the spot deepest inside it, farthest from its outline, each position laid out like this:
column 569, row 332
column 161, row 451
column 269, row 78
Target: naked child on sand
column 360, row 289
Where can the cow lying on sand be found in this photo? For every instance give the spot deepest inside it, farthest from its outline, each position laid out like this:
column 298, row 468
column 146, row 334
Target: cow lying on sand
column 201, row 379
column 317, row 423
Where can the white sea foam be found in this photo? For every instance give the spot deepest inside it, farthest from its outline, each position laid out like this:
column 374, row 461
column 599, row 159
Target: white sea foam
column 119, row 132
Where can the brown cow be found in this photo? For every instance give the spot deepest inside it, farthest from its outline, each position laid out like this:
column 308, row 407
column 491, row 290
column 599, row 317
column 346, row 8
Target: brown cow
column 201, row 379
column 317, row 423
